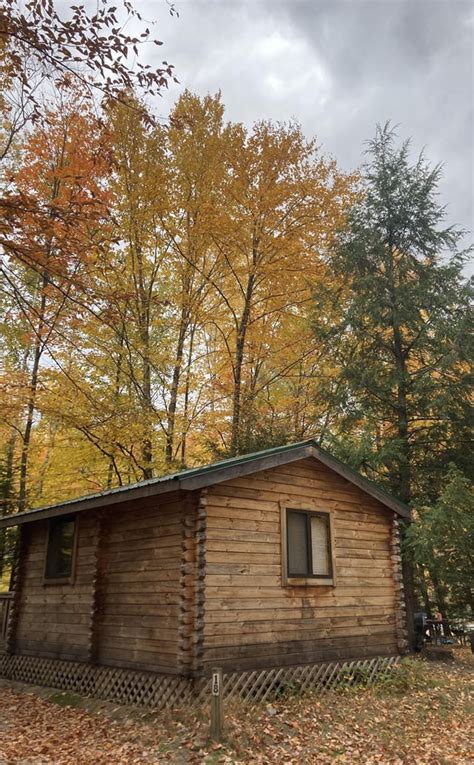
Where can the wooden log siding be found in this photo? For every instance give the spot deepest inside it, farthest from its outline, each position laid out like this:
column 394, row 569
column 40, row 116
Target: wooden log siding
column 140, row 619
column 54, row 619
column 19, row 564
column 123, row 606
column 401, row 613
column 187, row 607
column 251, row 620
column 180, row 582
column 98, row 587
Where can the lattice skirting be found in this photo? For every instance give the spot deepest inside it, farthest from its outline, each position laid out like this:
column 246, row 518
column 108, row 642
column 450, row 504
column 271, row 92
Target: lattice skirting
column 170, row 691
column 266, row 684
column 123, row 686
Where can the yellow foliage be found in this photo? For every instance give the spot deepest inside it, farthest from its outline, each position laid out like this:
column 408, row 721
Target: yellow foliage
column 177, row 326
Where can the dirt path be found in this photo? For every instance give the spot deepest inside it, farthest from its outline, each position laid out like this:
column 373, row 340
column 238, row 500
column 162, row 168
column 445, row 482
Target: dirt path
column 423, row 717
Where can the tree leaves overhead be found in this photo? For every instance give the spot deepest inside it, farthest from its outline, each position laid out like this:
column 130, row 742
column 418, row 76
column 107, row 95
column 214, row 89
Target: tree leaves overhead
column 93, row 48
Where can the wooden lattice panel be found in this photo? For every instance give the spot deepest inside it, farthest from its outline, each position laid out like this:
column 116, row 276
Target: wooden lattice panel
column 120, row 685
column 169, row 691
column 260, row 685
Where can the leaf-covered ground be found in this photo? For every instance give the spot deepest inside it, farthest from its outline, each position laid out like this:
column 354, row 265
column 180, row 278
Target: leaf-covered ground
column 423, row 716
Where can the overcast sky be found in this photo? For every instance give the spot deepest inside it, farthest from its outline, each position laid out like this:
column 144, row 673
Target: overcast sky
column 338, row 67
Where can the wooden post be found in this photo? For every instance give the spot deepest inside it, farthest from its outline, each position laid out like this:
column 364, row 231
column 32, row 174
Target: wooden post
column 217, row 713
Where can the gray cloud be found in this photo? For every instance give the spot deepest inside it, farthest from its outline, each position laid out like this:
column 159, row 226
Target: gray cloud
column 338, row 67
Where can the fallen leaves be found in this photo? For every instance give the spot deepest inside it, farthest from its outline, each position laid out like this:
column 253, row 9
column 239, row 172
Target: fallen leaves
column 429, row 724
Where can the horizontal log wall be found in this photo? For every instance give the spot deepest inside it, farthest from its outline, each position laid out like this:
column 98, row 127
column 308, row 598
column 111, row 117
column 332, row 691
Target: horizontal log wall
column 139, row 610
column 167, row 595
column 251, row 619
column 53, row 620
column 123, row 608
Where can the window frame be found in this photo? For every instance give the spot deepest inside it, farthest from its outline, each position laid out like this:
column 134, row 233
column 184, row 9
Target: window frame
column 70, row 578
column 309, row 510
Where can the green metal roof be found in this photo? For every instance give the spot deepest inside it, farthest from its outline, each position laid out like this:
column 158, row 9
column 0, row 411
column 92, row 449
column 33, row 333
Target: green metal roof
column 216, row 472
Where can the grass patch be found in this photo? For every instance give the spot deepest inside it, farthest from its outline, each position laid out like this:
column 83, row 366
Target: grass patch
column 408, row 675
column 66, row 699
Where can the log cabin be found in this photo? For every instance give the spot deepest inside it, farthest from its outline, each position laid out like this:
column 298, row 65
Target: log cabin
column 283, row 557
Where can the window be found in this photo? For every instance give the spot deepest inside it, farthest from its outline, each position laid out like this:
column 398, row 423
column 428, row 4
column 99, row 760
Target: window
column 8, row 542
column 308, row 538
column 60, row 551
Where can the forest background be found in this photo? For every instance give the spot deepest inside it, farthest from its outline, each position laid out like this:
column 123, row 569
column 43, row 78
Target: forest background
column 177, row 291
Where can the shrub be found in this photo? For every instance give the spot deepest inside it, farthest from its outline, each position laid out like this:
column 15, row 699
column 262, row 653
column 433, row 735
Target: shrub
column 408, row 675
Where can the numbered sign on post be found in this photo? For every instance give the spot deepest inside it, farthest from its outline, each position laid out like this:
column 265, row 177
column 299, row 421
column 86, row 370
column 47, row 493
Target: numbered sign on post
column 216, row 684
column 217, row 715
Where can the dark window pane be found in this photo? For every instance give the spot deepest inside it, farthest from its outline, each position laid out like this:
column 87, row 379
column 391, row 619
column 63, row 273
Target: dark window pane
column 8, row 539
column 60, row 549
column 297, row 544
column 320, row 545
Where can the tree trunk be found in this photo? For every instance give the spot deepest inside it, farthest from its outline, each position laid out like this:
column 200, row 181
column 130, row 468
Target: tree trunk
column 183, row 327
column 7, row 496
column 143, row 306
column 420, row 572
column 112, row 467
column 247, row 428
column 237, row 394
column 147, row 446
column 239, row 355
column 38, row 347
column 187, row 388
column 30, row 412
column 54, row 427
column 439, row 592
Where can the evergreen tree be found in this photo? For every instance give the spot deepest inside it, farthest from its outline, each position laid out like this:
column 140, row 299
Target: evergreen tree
column 442, row 546
column 400, row 340
column 400, row 349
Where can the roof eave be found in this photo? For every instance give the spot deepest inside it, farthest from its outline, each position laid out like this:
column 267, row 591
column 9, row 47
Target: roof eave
column 362, row 483
column 90, row 503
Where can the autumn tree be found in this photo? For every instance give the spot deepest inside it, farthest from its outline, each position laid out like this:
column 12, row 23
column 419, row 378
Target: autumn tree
column 47, row 241
column 283, row 202
column 136, row 283
column 197, row 142
column 175, row 326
